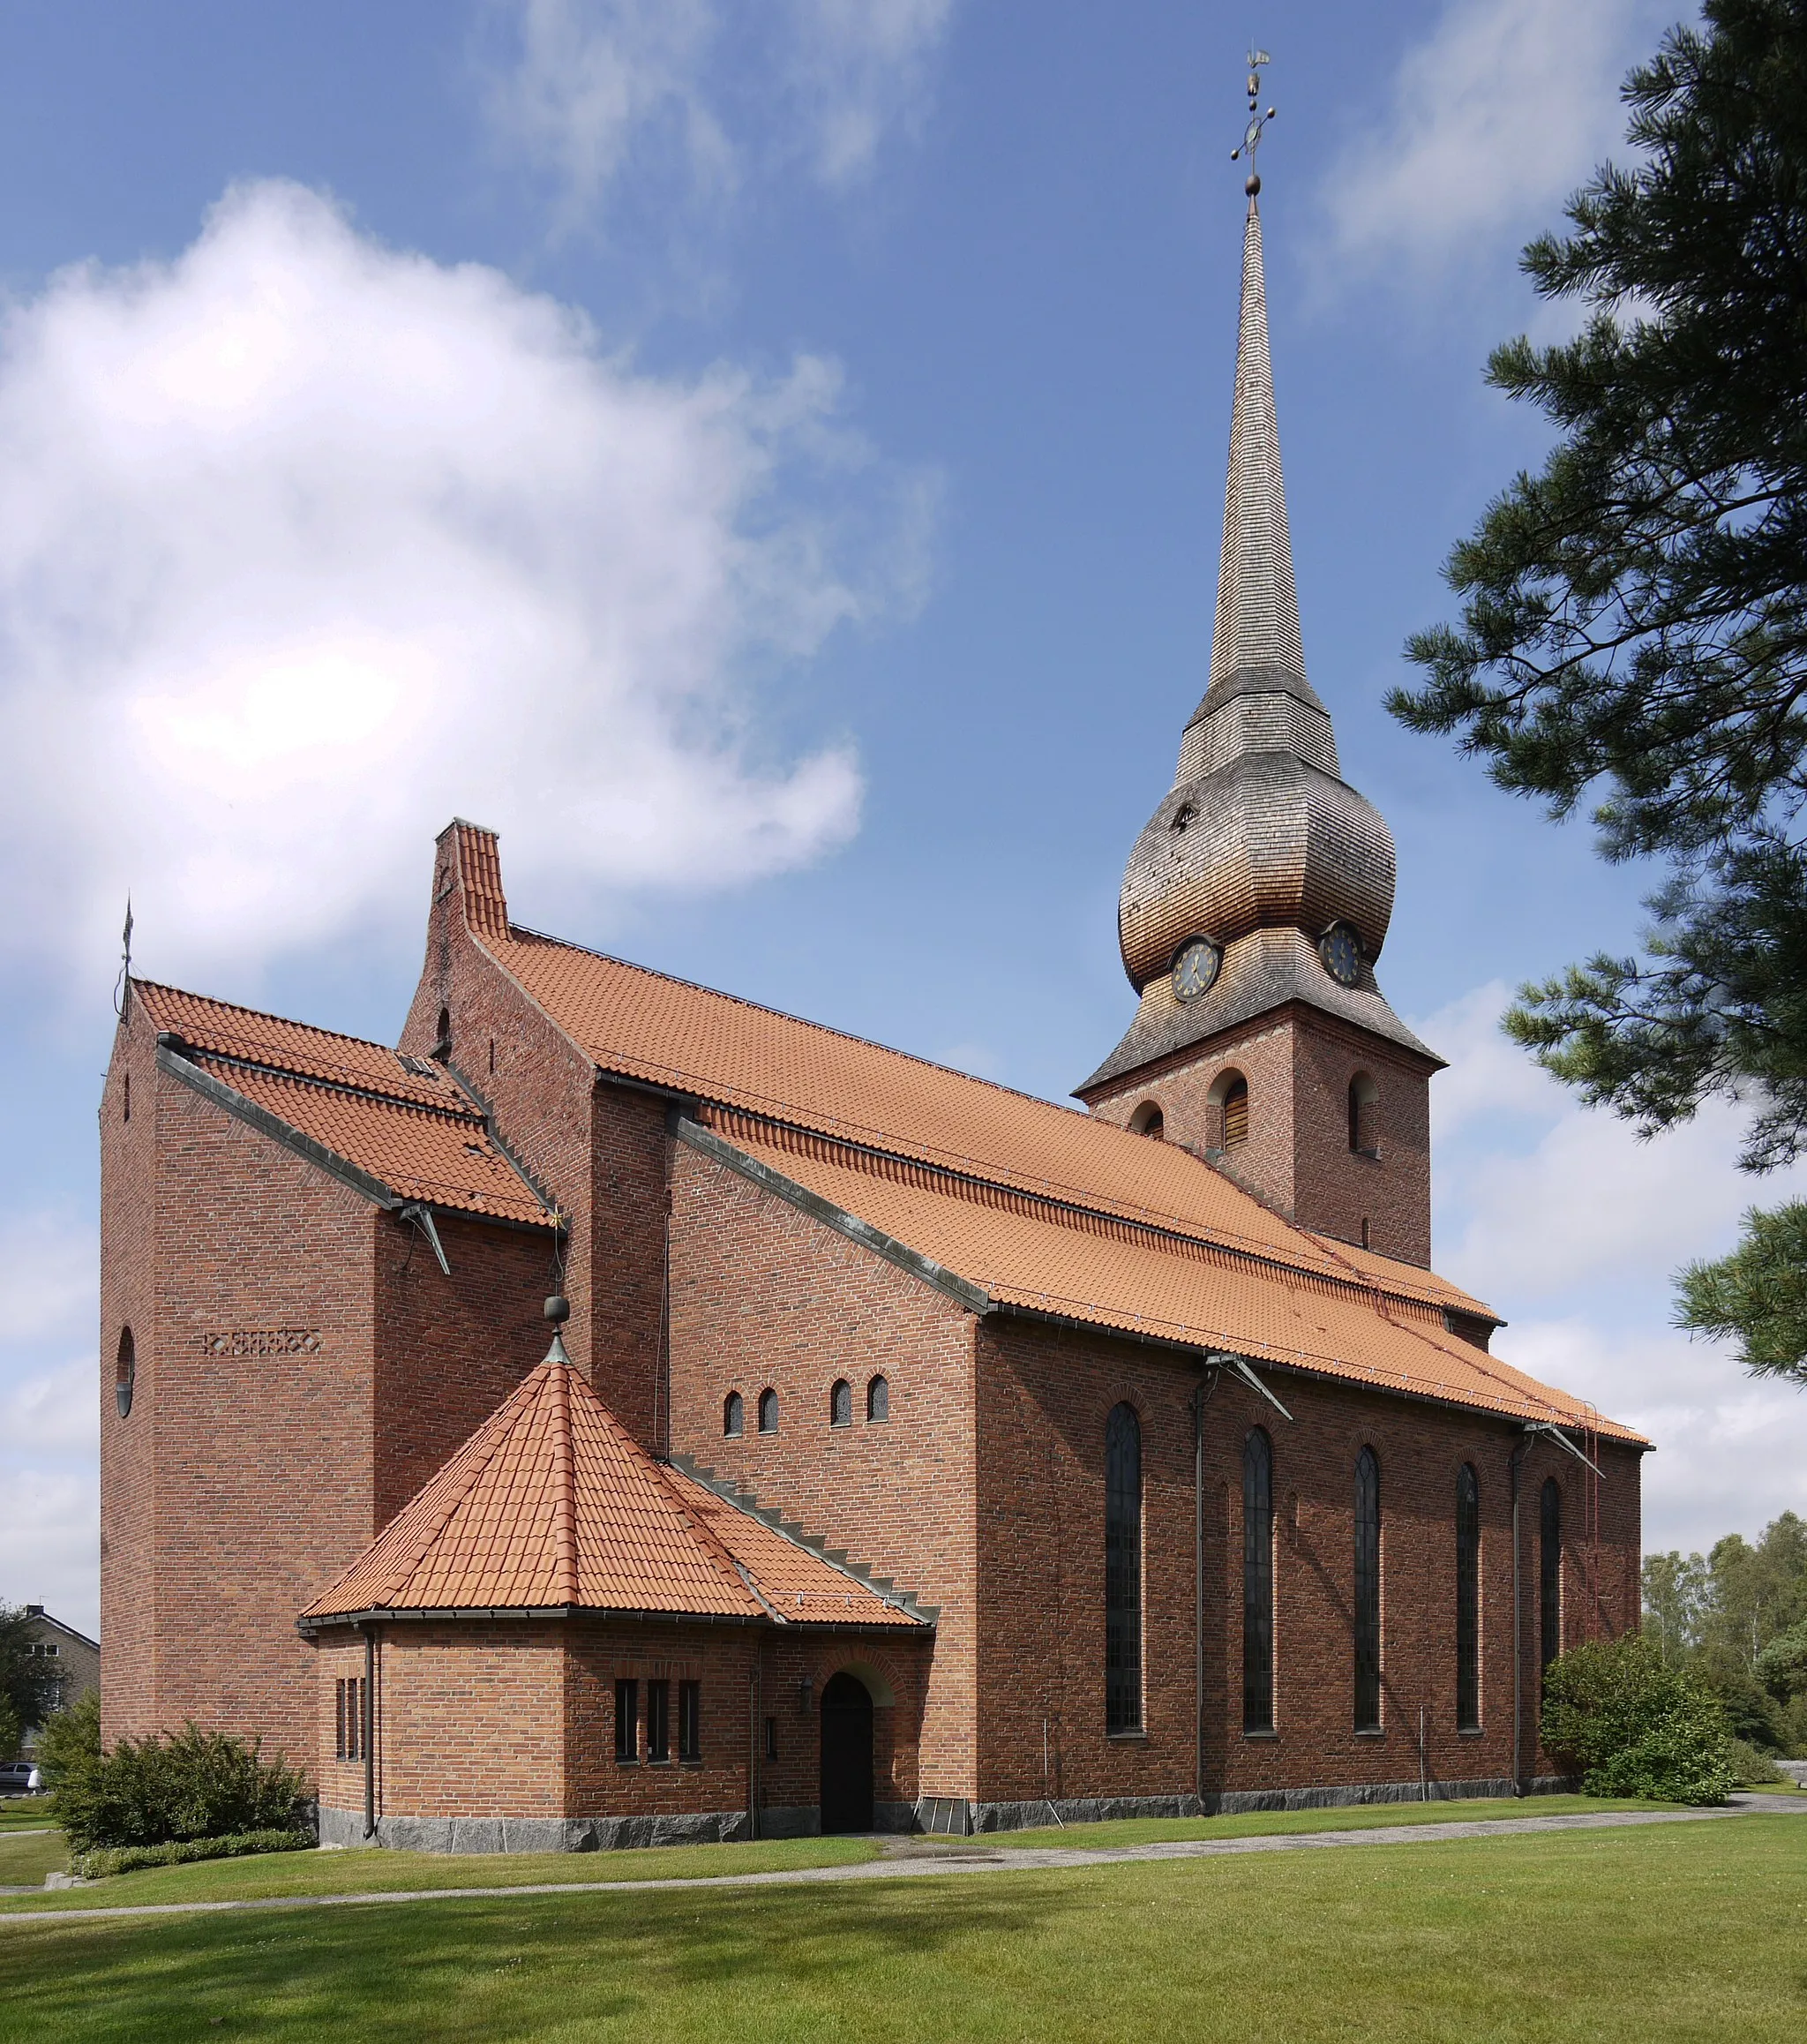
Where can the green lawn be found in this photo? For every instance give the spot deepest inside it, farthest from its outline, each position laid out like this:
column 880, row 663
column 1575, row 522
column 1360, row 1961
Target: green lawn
column 1690, row 1932
column 29, row 1859
column 24, row 1812
column 1272, row 1823
column 373, row 1872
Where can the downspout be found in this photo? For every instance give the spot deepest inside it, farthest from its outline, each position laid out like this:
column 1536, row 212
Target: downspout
column 1198, row 1590
column 1518, row 1457
column 368, row 1730
column 752, row 1755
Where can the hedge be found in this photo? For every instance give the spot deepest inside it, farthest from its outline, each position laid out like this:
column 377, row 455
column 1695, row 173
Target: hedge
column 105, row 1860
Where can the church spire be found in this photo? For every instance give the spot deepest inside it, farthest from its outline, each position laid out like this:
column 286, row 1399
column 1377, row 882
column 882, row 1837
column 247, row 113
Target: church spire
column 1257, row 625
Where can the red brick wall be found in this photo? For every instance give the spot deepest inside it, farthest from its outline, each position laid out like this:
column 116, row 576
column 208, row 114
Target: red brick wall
column 1299, row 1064
column 128, row 1446
column 723, row 1660
column 763, row 1294
column 262, row 1462
column 1044, row 1394
column 449, row 1349
column 598, row 1150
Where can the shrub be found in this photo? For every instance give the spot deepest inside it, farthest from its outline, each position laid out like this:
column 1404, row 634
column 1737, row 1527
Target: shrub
column 10, row 1730
column 70, row 1739
column 1630, row 1726
column 1752, row 1769
column 103, row 1859
column 1781, row 1667
column 193, row 1784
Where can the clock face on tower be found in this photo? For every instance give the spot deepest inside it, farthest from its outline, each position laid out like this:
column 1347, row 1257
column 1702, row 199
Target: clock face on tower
column 1340, row 948
column 1196, row 968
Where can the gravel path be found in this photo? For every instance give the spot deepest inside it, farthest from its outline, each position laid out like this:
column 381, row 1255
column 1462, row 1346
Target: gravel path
column 908, row 1860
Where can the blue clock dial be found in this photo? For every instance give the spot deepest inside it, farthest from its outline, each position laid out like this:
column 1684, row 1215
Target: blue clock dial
column 1340, row 948
column 1196, row 968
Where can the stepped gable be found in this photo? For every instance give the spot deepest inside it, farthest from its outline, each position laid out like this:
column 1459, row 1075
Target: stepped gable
column 551, row 1506
column 400, row 1122
column 1363, row 1326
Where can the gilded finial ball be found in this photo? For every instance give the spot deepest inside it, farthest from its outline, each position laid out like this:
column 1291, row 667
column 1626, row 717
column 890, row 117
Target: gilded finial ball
column 1252, row 184
column 558, row 1309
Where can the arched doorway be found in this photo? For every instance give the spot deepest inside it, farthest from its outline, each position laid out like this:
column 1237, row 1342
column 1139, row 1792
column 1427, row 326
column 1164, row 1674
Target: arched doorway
column 846, row 1787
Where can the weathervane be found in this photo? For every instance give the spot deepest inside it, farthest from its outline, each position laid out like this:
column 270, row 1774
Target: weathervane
column 1257, row 121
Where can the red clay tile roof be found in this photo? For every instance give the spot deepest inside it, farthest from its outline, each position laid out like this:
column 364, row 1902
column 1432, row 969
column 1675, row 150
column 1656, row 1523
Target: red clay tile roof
column 1096, row 1269
column 401, row 1122
column 552, row 1505
column 647, row 1026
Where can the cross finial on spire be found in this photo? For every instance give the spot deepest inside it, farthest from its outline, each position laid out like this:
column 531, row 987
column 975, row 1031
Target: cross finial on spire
column 1257, row 121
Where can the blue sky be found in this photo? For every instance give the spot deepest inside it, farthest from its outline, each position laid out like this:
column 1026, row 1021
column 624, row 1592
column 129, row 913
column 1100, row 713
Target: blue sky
column 768, row 462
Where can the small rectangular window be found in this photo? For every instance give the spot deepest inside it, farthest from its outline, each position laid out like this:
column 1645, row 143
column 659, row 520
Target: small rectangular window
column 348, row 1710
column 658, row 1721
column 627, row 1721
column 690, row 1721
column 771, row 1738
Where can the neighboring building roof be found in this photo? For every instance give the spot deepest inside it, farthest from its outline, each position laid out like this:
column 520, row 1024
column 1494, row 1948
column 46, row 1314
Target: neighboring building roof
column 38, row 1615
column 552, row 1506
column 1045, row 1258
column 400, row 1122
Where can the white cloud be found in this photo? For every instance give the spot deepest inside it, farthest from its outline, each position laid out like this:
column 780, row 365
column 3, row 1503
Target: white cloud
column 306, row 545
column 53, row 1412
column 51, row 1544
column 47, row 1276
column 1559, row 1217
column 588, row 88
column 1494, row 118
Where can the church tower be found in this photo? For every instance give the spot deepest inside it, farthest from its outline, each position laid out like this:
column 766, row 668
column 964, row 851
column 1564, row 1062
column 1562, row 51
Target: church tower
column 1258, row 899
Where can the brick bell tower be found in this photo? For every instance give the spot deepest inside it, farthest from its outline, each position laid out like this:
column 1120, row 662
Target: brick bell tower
column 1258, row 899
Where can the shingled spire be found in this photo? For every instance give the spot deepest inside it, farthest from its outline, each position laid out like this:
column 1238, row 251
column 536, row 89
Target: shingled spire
column 1258, row 896
column 1257, row 627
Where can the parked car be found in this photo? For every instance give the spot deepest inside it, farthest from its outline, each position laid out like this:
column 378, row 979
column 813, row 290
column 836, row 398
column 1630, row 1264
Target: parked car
column 20, row 1778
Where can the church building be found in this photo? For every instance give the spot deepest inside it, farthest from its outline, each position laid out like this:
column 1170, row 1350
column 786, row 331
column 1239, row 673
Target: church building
column 621, row 1412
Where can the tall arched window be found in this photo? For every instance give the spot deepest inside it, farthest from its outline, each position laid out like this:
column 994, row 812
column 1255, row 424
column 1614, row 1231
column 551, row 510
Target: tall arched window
column 1364, row 1099
column 768, row 1411
column 1123, row 1571
column 877, row 1400
column 442, row 1036
column 733, row 1415
column 1236, row 1112
column 1549, row 1573
column 1367, row 1592
column 124, row 1372
column 841, row 1403
column 1467, row 1599
column 1257, row 1583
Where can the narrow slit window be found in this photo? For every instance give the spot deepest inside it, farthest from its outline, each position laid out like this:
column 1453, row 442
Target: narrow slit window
column 1123, row 1571
column 1368, row 1601
column 877, row 1400
column 627, row 1721
column 690, row 1721
column 124, row 1372
column 349, row 1704
column 1258, row 1582
column 771, row 1738
column 841, row 1403
column 1467, row 1599
column 658, row 1721
column 1364, row 1104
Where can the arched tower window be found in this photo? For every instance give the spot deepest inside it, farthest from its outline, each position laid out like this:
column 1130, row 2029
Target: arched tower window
column 1364, row 1102
column 877, row 1400
column 1257, row 1583
column 1148, row 1120
column 1229, row 1104
column 442, row 1034
column 1123, row 1571
column 733, row 1415
column 1368, row 1637
column 768, row 1411
column 1467, row 1599
column 124, row 1372
column 1549, row 1573
column 841, row 1403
